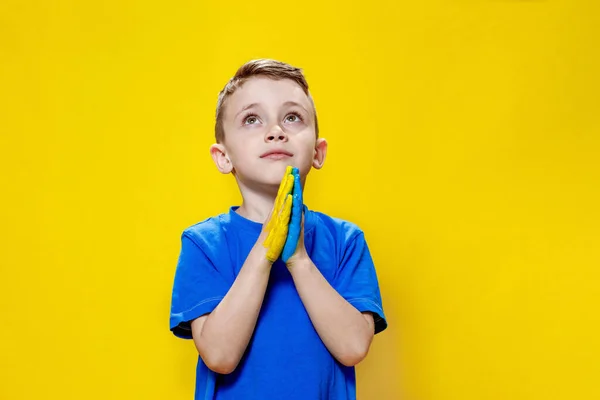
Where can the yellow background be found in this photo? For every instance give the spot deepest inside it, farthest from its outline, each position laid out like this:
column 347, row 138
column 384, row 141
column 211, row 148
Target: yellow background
column 464, row 139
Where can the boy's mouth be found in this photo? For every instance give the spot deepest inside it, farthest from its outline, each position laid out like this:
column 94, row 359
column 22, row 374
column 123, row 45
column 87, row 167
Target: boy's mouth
column 276, row 154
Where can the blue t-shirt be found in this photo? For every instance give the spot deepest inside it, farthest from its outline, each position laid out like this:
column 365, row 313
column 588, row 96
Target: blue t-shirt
column 285, row 358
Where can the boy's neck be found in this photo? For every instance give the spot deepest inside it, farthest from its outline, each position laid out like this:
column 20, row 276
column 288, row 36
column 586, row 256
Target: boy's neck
column 256, row 206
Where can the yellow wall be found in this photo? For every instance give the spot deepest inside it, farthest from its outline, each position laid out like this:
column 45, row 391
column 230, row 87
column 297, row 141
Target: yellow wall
column 464, row 139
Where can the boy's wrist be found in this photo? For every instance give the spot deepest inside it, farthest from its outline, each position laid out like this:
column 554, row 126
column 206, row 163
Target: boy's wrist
column 259, row 253
column 299, row 261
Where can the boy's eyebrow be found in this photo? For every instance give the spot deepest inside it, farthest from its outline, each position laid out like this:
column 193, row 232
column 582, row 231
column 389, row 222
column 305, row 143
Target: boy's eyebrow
column 245, row 108
column 293, row 103
column 287, row 103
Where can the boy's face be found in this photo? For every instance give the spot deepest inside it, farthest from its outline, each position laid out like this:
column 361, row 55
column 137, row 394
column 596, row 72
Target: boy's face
column 270, row 124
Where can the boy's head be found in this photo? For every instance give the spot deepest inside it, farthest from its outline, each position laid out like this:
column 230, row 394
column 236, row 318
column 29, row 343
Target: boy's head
column 266, row 68
column 265, row 121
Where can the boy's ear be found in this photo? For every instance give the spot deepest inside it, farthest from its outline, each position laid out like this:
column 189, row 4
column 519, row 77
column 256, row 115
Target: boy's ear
column 320, row 153
column 220, row 158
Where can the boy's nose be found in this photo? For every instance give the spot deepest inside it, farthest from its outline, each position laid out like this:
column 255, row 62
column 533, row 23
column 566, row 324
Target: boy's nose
column 275, row 134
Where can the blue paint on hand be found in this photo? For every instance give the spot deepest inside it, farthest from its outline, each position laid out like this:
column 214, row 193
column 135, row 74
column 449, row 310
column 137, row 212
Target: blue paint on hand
column 296, row 219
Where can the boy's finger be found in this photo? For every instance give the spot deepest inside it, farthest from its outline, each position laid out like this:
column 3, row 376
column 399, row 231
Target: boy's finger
column 298, row 212
column 281, row 193
column 276, row 239
column 284, row 188
column 287, row 189
column 288, row 171
column 297, row 185
column 294, row 230
column 282, row 185
column 287, row 210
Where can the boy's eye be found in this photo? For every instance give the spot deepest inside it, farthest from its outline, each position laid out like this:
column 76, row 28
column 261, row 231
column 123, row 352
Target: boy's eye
column 250, row 120
column 293, row 118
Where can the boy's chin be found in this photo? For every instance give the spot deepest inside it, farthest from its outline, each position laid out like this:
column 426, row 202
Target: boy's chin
column 271, row 180
column 274, row 173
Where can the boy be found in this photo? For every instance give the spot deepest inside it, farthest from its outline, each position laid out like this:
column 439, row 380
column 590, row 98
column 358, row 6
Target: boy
column 274, row 321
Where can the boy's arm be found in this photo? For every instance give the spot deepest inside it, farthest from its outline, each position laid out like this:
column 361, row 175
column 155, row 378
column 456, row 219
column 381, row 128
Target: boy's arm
column 346, row 332
column 222, row 336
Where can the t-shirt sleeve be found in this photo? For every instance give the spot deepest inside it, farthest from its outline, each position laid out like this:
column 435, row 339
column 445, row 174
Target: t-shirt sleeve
column 357, row 282
column 197, row 289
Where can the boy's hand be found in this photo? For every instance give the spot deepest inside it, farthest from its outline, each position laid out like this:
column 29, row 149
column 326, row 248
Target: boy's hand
column 277, row 225
column 296, row 227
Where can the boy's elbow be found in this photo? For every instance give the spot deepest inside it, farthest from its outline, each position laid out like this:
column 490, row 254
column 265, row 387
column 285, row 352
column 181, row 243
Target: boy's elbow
column 350, row 360
column 215, row 356
column 222, row 367
column 356, row 349
column 353, row 356
column 219, row 362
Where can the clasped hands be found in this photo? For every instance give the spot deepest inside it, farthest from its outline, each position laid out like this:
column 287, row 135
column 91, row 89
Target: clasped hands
column 284, row 226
